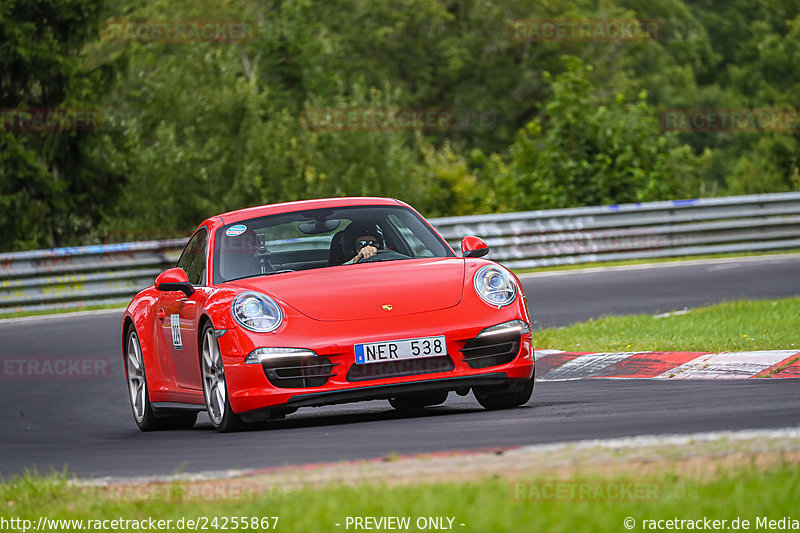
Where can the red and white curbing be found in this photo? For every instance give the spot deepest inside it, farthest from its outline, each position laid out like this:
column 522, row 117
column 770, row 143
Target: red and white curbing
column 558, row 365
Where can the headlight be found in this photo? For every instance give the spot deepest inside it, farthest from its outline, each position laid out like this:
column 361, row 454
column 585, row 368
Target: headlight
column 495, row 285
column 256, row 312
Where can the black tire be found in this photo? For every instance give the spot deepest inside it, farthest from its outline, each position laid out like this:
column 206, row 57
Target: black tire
column 418, row 401
column 215, row 389
column 144, row 415
column 506, row 396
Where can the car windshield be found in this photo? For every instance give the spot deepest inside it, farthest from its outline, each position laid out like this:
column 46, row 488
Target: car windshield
column 321, row 238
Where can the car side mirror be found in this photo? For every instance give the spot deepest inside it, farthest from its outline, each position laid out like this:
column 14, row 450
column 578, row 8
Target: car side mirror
column 174, row 279
column 473, row 247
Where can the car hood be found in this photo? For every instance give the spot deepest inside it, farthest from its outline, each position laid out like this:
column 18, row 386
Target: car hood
column 354, row 292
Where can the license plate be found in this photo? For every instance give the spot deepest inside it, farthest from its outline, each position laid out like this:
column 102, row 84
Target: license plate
column 380, row 352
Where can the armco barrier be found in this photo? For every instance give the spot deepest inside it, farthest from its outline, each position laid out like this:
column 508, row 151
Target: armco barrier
column 634, row 231
column 75, row 277
column 80, row 276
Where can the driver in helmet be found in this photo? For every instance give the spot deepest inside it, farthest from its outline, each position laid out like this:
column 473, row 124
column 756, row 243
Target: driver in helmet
column 362, row 241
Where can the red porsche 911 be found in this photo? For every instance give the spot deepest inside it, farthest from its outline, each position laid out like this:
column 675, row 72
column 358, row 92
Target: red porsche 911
column 323, row 302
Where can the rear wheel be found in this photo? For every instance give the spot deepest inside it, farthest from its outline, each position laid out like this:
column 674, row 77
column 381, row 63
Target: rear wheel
column 143, row 413
column 506, row 396
column 215, row 388
column 418, row 401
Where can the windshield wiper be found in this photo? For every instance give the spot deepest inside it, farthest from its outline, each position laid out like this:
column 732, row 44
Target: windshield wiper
column 259, row 274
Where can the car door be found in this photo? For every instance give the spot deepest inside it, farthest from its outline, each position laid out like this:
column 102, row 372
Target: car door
column 179, row 315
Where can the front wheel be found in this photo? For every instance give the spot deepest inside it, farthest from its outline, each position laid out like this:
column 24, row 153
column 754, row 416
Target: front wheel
column 506, row 396
column 215, row 389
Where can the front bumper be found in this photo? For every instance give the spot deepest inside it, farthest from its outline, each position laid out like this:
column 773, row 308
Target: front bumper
column 252, row 387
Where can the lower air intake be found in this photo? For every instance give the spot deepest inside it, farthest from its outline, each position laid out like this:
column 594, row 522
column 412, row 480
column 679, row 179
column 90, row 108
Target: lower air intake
column 492, row 350
column 298, row 372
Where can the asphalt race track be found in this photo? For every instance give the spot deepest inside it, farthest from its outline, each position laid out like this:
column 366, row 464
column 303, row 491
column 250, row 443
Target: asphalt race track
column 86, row 425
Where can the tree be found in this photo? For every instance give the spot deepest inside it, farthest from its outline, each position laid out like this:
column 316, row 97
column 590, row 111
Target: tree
column 50, row 194
column 588, row 151
column 194, row 128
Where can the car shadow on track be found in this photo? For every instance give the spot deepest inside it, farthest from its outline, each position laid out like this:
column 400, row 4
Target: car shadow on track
column 309, row 419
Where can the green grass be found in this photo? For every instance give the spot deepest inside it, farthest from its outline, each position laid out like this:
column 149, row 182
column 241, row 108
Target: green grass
column 673, row 259
column 20, row 314
column 483, row 506
column 732, row 326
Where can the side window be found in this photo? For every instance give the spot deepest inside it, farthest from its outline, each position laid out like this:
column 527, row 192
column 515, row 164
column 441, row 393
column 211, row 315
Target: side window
column 193, row 258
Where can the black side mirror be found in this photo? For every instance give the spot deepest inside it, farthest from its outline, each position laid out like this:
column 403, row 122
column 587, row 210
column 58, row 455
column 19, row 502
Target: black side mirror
column 184, row 286
column 477, row 253
column 174, row 279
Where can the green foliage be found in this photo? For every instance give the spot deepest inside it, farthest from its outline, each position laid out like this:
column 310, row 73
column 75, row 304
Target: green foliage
column 595, row 152
column 451, row 187
column 49, row 191
column 195, row 128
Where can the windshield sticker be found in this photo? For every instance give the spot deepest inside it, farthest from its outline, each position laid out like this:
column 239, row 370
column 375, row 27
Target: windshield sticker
column 235, row 231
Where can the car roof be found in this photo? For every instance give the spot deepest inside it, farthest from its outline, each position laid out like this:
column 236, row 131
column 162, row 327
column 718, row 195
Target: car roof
column 287, row 207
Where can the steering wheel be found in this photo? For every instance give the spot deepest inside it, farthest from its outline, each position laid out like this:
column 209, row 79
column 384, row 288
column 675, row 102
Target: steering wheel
column 382, row 255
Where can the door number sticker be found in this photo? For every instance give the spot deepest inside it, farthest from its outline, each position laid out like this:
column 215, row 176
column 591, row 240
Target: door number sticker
column 175, row 324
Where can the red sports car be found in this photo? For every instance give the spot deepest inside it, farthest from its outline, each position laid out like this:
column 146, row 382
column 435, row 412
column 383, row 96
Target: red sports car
column 322, row 302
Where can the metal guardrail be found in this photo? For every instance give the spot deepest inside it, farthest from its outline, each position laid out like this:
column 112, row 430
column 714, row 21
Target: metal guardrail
column 634, row 231
column 104, row 274
column 75, row 277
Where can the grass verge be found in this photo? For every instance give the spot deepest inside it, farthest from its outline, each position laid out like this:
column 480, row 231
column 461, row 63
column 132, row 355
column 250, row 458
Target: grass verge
column 21, row 314
column 732, row 326
column 585, row 503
